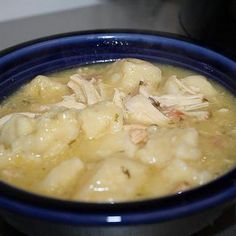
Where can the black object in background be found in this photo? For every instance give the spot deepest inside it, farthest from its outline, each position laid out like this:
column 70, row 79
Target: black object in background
column 211, row 22
column 7, row 230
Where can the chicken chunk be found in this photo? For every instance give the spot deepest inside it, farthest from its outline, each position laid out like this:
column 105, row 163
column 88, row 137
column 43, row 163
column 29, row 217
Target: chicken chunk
column 138, row 133
column 67, row 102
column 114, row 179
column 119, row 99
column 200, row 84
column 141, row 110
column 182, row 103
column 181, row 100
column 85, row 90
column 106, row 91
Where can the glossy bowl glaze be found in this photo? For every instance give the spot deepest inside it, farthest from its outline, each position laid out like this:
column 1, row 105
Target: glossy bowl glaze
column 181, row 214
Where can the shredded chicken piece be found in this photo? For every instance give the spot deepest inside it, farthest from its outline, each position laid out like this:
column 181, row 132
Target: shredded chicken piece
column 200, row 115
column 138, row 133
column 134, row 126
column 183, row 87
column 77, row 90
column 105, row 90
column 6, row 118
column 85, row 90
column 174, row 114
column 118, row 98
column 141, row 110
column 143, row 91
column 182, row 104
column 70, row 102
column 196, row 106
column 138, row 136
column 67, row 102
column 223, row 110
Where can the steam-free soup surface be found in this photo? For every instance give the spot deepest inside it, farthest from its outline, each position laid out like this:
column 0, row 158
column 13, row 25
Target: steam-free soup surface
column 122, row 131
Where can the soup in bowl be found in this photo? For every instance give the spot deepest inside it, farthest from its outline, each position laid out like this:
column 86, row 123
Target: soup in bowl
column 122, row 131
column 104, row 132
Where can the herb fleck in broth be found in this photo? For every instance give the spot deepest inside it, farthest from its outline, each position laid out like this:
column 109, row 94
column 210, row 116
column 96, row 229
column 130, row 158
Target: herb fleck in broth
column 117, row 132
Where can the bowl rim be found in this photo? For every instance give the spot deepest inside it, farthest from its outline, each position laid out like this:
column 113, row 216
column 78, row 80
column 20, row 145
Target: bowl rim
column 146, row 211
column 176, row 36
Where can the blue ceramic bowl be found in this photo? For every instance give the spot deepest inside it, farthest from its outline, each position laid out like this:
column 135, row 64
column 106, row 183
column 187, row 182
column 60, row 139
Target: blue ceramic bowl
column 180, row 214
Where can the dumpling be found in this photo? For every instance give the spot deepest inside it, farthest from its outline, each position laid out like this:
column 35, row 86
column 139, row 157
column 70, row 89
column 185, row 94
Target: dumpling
column 128, row 74
column 114, row 179
column 45, row 90
column 16, row 126
column 118, row 143
column 62, row 177
column 183, row 142
column 101, row 118
column 46, row 135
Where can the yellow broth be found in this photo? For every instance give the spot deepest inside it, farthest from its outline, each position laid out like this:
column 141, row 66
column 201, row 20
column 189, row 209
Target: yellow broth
column 119, row 162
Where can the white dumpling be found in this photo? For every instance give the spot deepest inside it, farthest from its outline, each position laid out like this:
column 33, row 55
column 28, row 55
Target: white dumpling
column 18, row 125
column 62, row 177
column 178, row 171
column 101, row 118
column 45, row 90
column 129, row 73
column 46, row 135
column 106, row 146
column 178, row 176
column 114, row 179
column 183, row 142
